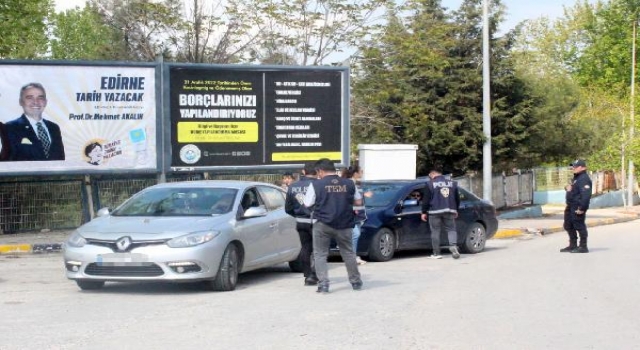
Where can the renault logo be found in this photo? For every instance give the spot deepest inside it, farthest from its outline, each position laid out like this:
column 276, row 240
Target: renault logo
column 123, row 243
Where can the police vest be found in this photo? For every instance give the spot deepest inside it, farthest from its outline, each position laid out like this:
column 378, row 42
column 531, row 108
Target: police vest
column 443, row 196
column 334, row 202
column 295, row 196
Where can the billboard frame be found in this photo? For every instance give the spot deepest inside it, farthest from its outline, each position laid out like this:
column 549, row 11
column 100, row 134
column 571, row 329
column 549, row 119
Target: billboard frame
column 167, row 118
column 111, row 171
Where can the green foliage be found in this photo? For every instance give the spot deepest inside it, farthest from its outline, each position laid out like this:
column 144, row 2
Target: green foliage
column 423, row 72
column 23, row 28
column 79, row 34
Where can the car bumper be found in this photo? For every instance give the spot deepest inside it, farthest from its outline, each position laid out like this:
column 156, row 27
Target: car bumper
column 151, row 263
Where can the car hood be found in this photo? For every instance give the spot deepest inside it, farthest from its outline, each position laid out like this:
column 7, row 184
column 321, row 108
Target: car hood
column 148, row 228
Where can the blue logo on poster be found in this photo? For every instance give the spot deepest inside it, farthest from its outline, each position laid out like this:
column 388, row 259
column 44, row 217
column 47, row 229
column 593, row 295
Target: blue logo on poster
column 137, row 135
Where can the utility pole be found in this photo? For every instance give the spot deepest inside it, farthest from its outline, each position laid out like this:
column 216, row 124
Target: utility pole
column 630, row 183
column 487, row 177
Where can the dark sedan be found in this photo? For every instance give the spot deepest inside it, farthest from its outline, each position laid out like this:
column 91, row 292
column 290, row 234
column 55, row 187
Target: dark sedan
column 393, row 220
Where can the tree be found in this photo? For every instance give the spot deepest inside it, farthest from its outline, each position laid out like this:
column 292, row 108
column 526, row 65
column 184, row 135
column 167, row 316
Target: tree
column 422, row 72
column 79, row 34
column 23, row 28
column 310, row 31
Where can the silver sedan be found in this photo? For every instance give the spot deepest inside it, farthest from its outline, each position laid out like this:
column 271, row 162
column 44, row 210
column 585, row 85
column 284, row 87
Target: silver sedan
column 185, row 231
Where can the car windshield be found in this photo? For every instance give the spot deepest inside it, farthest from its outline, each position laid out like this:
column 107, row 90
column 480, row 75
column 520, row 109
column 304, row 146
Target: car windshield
column 179, row 202
column 380, row 194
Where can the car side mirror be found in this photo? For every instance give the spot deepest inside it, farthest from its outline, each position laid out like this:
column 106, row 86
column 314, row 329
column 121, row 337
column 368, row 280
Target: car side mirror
column 254, row 212
column 103, row 212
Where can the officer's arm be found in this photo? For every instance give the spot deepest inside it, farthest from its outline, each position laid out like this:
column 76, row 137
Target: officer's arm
column 426, row 199
column 310, row 196
column 288, row 204
column 585, row 195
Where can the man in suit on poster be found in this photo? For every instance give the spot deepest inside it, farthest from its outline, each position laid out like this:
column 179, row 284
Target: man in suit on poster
column 4, row 143
column 31, row 137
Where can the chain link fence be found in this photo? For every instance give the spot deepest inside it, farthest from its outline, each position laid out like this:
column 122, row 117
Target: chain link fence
column 55, row 204
column 68, row 202
column 507, row 190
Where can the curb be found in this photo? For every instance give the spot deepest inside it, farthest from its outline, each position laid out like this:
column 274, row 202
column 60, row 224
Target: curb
column 40, row 248
column 516, row 232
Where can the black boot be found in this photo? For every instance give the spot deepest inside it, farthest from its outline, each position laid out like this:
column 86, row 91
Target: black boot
column 311, row 280
column 572, row 245
column 583, row 245
column 581, row 249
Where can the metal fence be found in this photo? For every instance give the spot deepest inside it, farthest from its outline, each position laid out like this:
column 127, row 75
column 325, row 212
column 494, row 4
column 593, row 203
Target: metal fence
column 507, row 190
column 67, row 202
column 50, row 204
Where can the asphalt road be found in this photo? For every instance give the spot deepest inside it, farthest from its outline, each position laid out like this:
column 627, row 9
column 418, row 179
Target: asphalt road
column 518, row 294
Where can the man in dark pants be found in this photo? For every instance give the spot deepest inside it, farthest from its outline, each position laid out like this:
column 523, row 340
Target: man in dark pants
column 333, row 198
column 294, row 206
column 440, row 205
column 578, row 197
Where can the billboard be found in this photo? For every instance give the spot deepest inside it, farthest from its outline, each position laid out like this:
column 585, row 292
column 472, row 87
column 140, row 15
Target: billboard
column 228, row 117
column 94, row 118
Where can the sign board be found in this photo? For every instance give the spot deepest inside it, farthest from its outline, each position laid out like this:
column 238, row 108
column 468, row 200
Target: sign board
column 97, row 118
column 388, row 161
column 249, row 117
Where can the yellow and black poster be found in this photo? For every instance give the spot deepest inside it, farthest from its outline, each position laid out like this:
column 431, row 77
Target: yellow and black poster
column 253, row 117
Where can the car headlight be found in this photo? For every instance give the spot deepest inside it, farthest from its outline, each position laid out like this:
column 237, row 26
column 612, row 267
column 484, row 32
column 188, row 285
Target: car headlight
column 76, row 240
column 193, row 239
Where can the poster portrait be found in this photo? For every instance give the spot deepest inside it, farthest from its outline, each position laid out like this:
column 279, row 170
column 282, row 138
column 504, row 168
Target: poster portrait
column 93, row 118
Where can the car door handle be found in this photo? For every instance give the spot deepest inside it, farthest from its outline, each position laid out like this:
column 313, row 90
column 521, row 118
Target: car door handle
column 274, row 225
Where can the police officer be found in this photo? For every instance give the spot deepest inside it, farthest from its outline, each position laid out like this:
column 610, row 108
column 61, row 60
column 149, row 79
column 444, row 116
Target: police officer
column 440, row 208
column 578, row 197
column 333, row 199
column 294, row 206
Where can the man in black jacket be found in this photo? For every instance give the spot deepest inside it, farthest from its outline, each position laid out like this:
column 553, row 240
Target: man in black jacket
column 440, row 205
column 294, row 206
column 578, row 198
column 332, row 198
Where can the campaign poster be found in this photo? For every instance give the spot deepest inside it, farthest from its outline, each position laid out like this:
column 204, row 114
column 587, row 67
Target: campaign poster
column 255, row 117
column 77, row 118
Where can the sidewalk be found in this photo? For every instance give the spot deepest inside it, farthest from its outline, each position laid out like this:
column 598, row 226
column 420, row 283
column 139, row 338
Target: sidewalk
column 550, row 222
column 553, row 217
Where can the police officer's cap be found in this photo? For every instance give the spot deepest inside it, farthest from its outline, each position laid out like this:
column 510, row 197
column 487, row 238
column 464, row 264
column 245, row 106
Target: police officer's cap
column 578, row 162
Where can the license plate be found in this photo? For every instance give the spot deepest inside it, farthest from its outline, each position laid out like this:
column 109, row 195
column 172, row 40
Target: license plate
column 122, row 259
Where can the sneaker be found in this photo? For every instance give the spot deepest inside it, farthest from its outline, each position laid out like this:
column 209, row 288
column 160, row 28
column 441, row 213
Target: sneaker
column 360, row 261
column 454, row 251
column 580, row 250
column 435, row 256
column 357, row 286
column 567, row 249
column 323, row 288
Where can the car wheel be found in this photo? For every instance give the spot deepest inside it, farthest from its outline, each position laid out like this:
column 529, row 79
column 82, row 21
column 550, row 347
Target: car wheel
column 475, row 239
column 383, row 245
column 90, row 285
column 227, row 276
